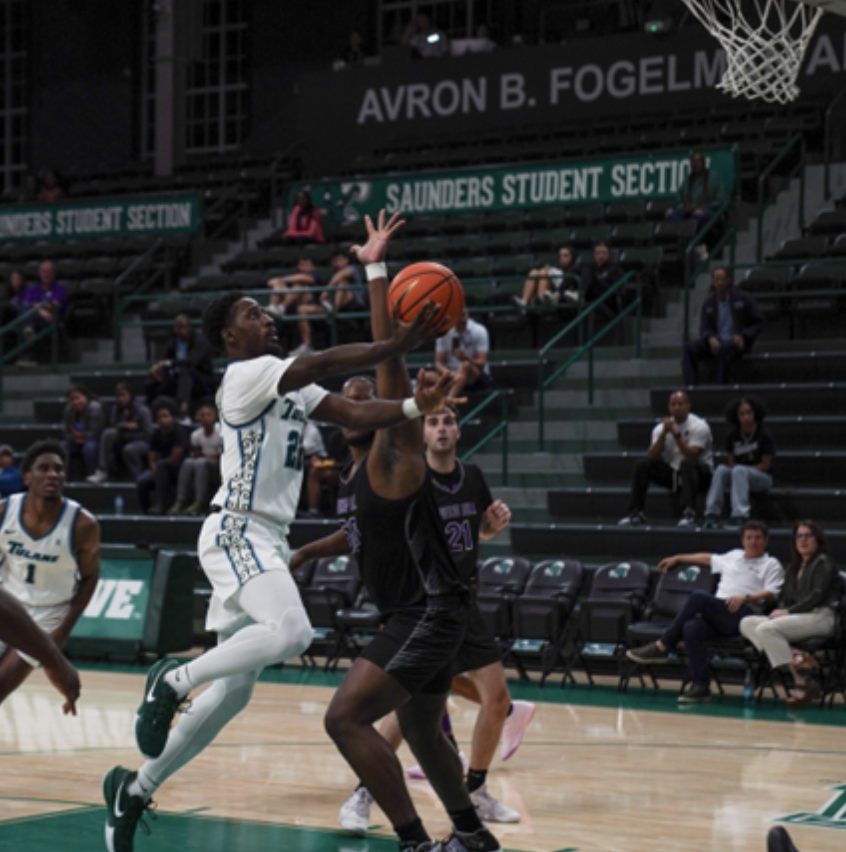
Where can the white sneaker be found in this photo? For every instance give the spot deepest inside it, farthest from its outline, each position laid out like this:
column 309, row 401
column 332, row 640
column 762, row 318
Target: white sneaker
column 701, row 253
column 519, row 301
column 551, row 298
column 302, row 349
column 490, row 810
column 98, row 477
column 354, row 815
column 328, row 305
column 418, row 774
column 572, row 296
column 515, row 726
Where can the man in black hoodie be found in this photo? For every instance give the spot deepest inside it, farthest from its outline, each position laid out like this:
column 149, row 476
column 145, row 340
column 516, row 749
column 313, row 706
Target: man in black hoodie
column 187, row 371
column 729, row 324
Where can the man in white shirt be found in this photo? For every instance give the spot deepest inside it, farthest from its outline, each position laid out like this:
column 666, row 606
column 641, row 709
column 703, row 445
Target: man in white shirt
column 749, row 577
column 463, row 351
column 680, row 457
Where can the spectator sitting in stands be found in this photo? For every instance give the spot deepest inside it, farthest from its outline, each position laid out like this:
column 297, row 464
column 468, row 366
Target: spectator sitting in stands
column 169, row 446
column 321, row 468
column 425, row 42
column 549, row 284
column 305, row 222
column 750, row 449
column 49, row 298
column 601, row 275
column 297, row 303
column 729, row 324
column 127, row 438
column 352, row 55
column 749, row 578
column 346, row 274
column 82, row 425
column 187, row 371
column 804, row 610
column 12, row 302
column 699, row 196
column 29, row 189
column 11, row 481
column 199, row 476
column 463, row 351
column 680, row 457
column 51, row 189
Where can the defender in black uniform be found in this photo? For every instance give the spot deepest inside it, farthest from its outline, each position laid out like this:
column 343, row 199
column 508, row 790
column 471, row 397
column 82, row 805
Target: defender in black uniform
column 408, row 569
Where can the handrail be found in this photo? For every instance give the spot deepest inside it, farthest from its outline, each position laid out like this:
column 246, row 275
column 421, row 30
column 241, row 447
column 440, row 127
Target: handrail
column 829, row 138
column 799, row 139
column 690, row 274
column 21, row 320
column 501, row 427
column 587, row 314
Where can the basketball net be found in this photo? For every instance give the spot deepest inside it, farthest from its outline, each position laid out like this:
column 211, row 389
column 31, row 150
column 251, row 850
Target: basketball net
column 765, row 42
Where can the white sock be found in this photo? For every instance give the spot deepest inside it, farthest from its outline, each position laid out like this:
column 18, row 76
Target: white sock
column 180, row 680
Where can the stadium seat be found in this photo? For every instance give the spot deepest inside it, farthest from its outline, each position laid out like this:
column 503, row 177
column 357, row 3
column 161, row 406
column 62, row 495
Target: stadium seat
column 500, row 581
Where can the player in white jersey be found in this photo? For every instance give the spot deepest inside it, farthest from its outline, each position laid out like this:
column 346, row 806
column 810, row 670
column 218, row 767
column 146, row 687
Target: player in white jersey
column 264, row 402
column 49, row 556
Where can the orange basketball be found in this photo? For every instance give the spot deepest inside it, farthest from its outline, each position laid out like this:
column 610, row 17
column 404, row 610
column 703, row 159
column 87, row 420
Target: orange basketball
column 427, row 282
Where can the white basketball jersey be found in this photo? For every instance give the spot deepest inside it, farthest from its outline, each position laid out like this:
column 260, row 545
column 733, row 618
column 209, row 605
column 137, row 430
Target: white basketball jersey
column 38, row 571
column 261, row 467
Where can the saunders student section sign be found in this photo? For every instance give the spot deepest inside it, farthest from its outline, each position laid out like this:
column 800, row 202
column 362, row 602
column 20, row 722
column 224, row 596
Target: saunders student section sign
column 515, row 187
column 125, row 217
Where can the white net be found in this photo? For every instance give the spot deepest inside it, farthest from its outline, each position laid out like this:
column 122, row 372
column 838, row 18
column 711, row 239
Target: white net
column 764, row 40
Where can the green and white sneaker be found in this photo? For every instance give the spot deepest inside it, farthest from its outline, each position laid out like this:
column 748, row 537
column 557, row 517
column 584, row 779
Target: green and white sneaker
column 125, row 811
column 155, row 715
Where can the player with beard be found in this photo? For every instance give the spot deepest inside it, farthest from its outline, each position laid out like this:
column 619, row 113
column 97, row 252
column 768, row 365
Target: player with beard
column 264, row 402
column 468, row 513
column 391, row 520
column 49, row 557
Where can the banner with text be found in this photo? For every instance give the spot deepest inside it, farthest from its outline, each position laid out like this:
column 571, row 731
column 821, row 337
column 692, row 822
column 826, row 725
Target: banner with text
column 125, row 217
column 515, row 187
column 532, row 89
column 118, row 607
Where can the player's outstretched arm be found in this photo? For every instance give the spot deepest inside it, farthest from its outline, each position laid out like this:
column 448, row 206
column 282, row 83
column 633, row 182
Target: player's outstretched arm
column 19, row 631
column 355, row 357
column 336, row 544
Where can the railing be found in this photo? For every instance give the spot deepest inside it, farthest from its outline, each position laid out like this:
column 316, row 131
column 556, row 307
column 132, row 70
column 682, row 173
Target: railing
column 6, row 358
column 833, row 122
column 797, row 141
column 500, row 428
column 586, row 348
column 691, row 273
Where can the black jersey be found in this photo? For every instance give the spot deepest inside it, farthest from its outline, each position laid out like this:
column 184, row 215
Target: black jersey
column 402, row 553
column 462, row 497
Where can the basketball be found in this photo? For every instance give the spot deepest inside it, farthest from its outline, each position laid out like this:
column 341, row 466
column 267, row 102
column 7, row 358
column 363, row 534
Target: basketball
column 427, row 282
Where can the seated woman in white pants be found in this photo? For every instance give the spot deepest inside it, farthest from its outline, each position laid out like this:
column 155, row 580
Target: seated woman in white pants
column 804, row 611
column 750, row 448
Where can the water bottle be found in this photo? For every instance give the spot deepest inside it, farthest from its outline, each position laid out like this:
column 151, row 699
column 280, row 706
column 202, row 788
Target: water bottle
column 119, row 505
column 748, row 687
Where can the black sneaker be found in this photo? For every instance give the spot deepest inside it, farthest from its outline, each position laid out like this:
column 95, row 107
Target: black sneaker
column 778, row 840
column 635, row 519
column 688, row 518
column 648, row 654
column 125, row 811
column 698, row 693
column 155, row 715
column 480, row 840
column 710, row 522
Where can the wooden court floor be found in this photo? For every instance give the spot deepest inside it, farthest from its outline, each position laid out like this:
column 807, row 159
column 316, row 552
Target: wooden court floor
column 596, row 771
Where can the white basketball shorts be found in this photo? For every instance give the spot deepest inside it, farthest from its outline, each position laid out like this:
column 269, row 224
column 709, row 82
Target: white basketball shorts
column 48, row 618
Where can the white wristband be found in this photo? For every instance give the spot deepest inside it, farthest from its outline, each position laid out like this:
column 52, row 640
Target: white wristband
column 410, row 409
column 376, row 270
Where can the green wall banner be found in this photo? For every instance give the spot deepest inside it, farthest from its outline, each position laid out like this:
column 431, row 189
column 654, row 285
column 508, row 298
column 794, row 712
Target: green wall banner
column 118, row 607
column 101, row 219
column 653, row 175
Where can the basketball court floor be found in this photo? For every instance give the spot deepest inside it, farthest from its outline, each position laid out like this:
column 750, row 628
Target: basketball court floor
column 597, row 771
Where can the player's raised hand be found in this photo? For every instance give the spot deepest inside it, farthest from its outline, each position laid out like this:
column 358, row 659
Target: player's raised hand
column 432, row 399
column 409, row 335
column 66, row 680
column 494, row 519
column 378, row 237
